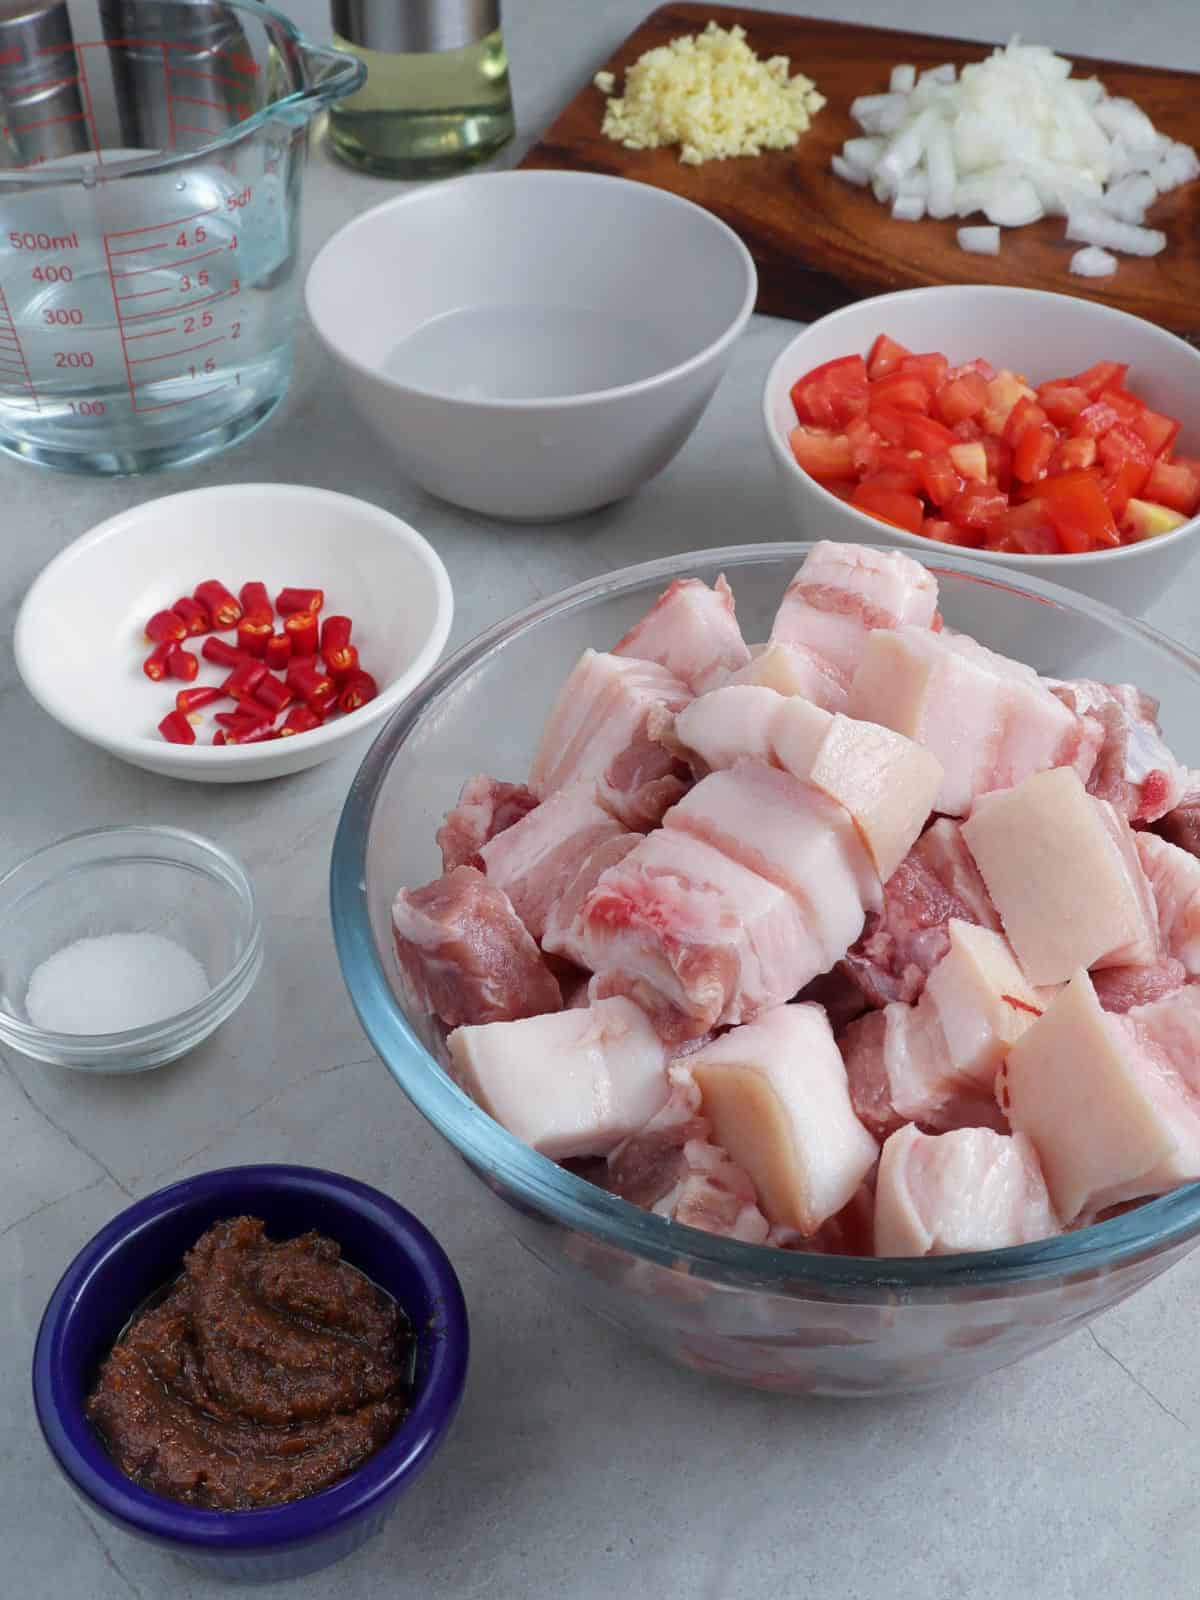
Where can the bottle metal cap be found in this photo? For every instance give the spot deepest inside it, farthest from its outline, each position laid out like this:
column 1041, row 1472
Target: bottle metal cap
column 415, row 27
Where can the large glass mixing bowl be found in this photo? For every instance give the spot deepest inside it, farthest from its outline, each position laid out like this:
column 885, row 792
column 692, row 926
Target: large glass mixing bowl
column 774, row 1319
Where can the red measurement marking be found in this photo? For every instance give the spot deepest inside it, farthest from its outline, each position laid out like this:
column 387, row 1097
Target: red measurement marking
column 207, row 77
column 7, row 324
column 42, row 88
column 11, row 57
column 188, row 100
column 157, row 227
column 140, row 249
column 190, row 127
column 167, row 87
column 168, row 266
column 188, row 400
column 187, row 350
column 88, row 107
column 144, row 294
column 155, row 333
column 46, row 122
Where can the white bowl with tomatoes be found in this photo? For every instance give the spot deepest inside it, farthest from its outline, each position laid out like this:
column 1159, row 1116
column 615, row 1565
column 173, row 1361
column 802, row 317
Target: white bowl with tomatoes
column 1047, row 434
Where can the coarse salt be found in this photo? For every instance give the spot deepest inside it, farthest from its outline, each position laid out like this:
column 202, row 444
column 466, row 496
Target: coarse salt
column 113, row 983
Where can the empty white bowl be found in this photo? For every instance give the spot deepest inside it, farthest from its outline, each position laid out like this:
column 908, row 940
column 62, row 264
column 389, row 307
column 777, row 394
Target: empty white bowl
column 1042, row 335
column 79, row 641
column 532, row 345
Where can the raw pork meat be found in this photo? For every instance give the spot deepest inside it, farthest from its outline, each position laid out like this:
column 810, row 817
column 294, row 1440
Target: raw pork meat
column 466, row 955
column 775, row 1092
column 573, row 1084
column 1181, row 826
column 1063, row 872
column 1133, row 770
column 885, row 781
column 788, row 669
column 1174, row 878
column 990, row 721
column 536, row 860
column 935, row 1063
column 968, row 1190
column 842, row 592
column 937, row 880
column 645, row 1166
column 692, row 631
column 1112, row 1103
column 599, row 729
column 485, row 808
column 1122, row 988
column 713, row 1193
column 558, row 938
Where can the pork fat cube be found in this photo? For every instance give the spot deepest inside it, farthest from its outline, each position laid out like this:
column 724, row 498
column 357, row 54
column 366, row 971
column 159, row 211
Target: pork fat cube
column 1174, row 878
column 536, row 860
column 1063, row 872
column 972, row 1189
column 990, row 721
column 466, row 956
column 791, row 669
column 1181, row 825
column 775, row 1093
column 485, row 808
column 599, row 731
column 1110, row 1102
column 729, row 724
column 692, row 631
column 574, row 1084
column 558, row 936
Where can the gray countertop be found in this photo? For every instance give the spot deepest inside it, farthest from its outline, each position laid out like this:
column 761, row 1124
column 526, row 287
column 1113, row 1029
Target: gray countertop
column 579, row 1465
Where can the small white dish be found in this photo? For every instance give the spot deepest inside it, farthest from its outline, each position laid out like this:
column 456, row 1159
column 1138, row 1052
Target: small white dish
column 532, row 345
column 1032, row 331
column 79, row 642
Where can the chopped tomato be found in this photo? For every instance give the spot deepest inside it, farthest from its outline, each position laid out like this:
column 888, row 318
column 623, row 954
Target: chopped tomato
column 1033, row 452
column 1081, row 516
column 1095, row 419
column 822, row 454
column 900, row 466
column 1072, row 453
column 1122, row 484
column 1025, row 414
column 864, row 445
column 1126, row 406
column 985, row 369
column 885, row 356
column 1062, row 402
column 977, row 506
column 1175, row 484
column 968, row 430
column 1157, row 430
column 888, row 422
column 930, row 368
column 943, row 532
column 833, row 393
column 939, row 478
column 904, row 390
column 960, row 398
column 1121, row 447
column 926, row 434
column 1030, row 529
column 1102, row 376
column 890, row 505
column 999, row 460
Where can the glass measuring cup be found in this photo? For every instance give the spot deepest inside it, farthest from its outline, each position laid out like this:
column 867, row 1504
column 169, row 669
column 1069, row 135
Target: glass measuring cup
column 151, row 162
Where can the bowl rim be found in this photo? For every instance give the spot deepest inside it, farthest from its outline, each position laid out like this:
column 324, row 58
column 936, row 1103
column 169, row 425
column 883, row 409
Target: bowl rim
column 90, row 1050
column 580, row 1205
column 135, row 747
column 538, row 403
column 830, row 505
column 79, row 1454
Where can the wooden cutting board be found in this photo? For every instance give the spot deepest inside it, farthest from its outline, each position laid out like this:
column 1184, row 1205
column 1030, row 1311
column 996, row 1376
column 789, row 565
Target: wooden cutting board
column 818, row 242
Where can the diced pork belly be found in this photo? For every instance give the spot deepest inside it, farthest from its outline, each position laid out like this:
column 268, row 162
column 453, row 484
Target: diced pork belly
column 599, row 730
column 695, row 938
column 647, row 1164
column 1181, row 825
column 972, row 1189
column 791, row 669
column 465, row 954
column 990, row 721
column 1122, row 988
column 775, row 1092
column 1174, row 878
column 838, row 994
column 537, row 859
column 842, row 592
column 1063, row 872
column 713, row 1193
column 885, row 781
column 485, row 808
column 1111, row 1103
column 937, row 880
column 935, row 1063
column 562, row 919
column 1134, row 770
column 692, row 631
column 574, row 1084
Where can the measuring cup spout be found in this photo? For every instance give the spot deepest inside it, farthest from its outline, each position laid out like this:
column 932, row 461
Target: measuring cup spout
column 329, row 74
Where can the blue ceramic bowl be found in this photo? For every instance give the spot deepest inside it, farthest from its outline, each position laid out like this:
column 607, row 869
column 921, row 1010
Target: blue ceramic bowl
column 143, row 1248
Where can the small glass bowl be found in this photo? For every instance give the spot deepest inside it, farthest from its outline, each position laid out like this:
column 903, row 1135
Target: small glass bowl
column 127, row 880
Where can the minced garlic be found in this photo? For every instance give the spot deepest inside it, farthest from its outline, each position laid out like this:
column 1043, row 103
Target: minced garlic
column 711, row 95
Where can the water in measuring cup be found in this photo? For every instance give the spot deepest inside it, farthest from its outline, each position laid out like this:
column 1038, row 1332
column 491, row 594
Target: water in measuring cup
column 155, row 337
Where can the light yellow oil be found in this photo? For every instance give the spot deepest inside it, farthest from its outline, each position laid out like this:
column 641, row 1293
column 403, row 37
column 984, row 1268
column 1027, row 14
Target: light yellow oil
column 425, row 115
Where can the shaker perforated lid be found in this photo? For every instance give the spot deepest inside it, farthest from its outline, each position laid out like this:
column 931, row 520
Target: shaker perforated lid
column 415, row 27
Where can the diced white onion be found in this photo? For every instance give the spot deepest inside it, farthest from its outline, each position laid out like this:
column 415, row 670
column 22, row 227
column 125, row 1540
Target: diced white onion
column 1015, row 137
column 979, row 241
column 1092, row 262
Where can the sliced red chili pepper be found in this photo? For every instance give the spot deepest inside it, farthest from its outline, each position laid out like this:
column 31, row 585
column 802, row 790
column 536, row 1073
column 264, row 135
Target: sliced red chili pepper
column 335, row 632
column 221, row 653
column 340, row 664
column 242, row 683
column 166, row 627
column 222, row 606
column 195, row 616
column 254, row 634
column 256, row 602
column 356, row 691
column 155, row 664
column 182, row 663
column 300, row 719
column 289, row 601
column 278, row 651
column 244, row 730
column 273, row 696
column 316, row 688
column 243, row 717
column 188, row 700
column 301, row 629
column 176, row 729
